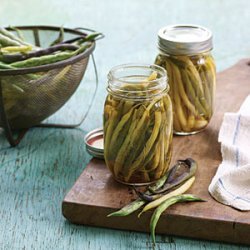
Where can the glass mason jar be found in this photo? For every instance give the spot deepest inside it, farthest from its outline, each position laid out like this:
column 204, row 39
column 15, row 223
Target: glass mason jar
column 185, row 52
column 137, row 124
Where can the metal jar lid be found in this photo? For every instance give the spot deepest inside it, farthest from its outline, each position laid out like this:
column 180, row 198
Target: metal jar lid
column 94, row 143
column 184, row 39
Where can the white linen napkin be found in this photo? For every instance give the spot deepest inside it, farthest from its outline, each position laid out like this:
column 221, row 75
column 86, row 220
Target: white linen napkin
column 231, row 184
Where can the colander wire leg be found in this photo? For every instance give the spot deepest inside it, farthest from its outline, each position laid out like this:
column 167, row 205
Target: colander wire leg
column 94, row 95
column 37, row 38
column 6, row 126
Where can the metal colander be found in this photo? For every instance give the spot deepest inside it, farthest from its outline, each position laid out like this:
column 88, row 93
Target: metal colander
column 30, row 95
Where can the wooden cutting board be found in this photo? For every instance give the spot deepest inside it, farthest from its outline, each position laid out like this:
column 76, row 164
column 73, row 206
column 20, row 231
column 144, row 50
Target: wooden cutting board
column 95, row 194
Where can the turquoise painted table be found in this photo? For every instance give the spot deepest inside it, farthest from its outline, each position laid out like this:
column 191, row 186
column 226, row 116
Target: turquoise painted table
column 36, row 175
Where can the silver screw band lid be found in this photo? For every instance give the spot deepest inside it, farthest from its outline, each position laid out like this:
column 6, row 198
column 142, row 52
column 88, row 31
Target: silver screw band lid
column 184, row 39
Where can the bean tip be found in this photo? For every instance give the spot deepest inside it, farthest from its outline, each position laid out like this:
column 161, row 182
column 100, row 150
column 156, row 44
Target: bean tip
column 112, row 214
column 153, row 240
column 139, row 215
column 202, row 200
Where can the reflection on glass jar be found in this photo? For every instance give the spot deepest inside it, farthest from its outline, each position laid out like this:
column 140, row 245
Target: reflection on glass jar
column 137, row 124
column 192, row 75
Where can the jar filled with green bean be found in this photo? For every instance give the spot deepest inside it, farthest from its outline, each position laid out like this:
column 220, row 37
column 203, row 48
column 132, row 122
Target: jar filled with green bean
column 185, row 52
column 137, row 124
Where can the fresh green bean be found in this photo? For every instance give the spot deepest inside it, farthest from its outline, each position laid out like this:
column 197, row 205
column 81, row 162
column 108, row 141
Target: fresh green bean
column 48, row 59
column 129, row 209
column 159, row 183
column 138, row 203
column 164, row 205
column 5, row 66
column 15, row 49
column 37, row 61
column 18, row 32
column 60, row 37
column 180, row 172
column 6, row 41
column 180, row 190
column 11, row 37
column 90, row 37
column 83, row 39
column 10, row 58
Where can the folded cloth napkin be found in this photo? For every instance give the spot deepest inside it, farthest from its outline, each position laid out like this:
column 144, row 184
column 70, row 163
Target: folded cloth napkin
column 231, row 184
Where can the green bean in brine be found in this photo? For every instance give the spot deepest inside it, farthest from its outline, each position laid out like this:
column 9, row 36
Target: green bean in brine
column 142, row 134
column 192, row 81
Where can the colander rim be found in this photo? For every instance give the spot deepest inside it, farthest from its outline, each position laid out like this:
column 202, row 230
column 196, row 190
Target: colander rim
column 51, row 66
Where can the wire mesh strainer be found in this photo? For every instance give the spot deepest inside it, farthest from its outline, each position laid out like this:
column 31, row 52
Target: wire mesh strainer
column 30, row 95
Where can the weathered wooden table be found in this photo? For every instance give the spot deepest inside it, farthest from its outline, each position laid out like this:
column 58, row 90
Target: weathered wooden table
column 36, row 175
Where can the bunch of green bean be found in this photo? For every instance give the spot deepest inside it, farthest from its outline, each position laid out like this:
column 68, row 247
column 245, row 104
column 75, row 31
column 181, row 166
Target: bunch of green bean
column 192, row 90
column 16, row 53
column 165, row 192
column 138, row 136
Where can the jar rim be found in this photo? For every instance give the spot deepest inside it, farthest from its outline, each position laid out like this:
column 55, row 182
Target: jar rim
column 135, row 65
column 124, row 74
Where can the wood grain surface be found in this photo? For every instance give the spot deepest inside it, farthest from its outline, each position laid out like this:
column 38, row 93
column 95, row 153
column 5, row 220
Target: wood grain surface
column 96, row 194
column 36, row 175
